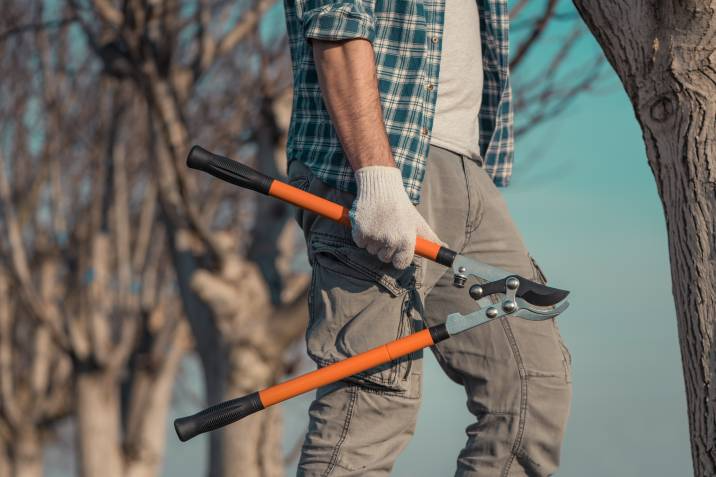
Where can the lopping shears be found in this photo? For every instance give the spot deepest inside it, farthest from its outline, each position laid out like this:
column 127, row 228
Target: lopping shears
column 515, row 296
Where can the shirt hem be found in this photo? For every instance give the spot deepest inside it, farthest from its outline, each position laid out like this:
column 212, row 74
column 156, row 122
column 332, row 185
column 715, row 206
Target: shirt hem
column 473, row 154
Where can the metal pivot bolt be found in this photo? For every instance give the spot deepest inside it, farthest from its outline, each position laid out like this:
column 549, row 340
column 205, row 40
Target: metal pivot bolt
column 458, row 280
column 491, row 312
column 509, row 306
column 476, row 292
column 512, row 283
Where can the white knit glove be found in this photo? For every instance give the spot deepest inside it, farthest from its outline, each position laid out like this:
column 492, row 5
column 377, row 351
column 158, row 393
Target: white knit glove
column 384, row 220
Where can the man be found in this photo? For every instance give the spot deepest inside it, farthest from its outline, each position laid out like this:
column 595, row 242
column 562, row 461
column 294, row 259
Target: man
column 398, row 104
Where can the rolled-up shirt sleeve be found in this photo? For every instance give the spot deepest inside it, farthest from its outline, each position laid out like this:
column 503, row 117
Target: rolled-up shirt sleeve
column 337, row 20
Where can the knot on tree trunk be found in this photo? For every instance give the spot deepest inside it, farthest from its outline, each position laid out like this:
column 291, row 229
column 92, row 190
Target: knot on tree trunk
column 662, row 108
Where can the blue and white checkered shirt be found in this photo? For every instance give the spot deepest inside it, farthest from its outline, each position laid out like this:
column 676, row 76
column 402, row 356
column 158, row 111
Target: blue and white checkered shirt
column 407, row 37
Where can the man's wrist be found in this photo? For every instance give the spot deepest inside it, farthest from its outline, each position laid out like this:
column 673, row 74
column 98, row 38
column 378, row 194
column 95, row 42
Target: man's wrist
column 372, row 160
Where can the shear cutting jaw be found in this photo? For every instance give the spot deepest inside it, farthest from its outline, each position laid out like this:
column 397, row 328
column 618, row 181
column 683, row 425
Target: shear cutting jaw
column 519, row 297
column 499, row 281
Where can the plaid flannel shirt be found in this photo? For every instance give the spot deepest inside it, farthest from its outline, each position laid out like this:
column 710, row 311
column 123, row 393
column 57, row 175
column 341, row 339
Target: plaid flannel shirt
column 406, row 36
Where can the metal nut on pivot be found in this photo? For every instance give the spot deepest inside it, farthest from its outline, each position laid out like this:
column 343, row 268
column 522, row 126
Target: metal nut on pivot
column 491, row 312
column 509, row 306
column 476, row 292
column 459, row 281
column 512, row 283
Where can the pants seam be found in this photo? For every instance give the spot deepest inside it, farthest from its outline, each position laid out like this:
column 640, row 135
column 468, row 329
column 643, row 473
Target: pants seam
column 344, row 433
column 523, row 454
column 468, row 190
column 517, row 444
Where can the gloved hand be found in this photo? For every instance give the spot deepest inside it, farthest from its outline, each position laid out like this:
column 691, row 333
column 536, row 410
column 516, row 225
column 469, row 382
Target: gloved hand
column 384, row 220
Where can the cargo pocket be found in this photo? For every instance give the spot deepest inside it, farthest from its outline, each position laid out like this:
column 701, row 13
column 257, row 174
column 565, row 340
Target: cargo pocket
column 357, row 303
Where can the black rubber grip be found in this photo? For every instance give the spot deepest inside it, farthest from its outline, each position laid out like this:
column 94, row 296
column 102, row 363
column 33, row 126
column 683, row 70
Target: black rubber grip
column 439, row 333
column 446, row 256
column 228, row 170
column 217, row 416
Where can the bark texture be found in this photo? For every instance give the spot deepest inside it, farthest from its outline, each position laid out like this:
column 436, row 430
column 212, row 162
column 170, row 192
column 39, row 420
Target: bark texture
column 664, row 52
column 98, row 427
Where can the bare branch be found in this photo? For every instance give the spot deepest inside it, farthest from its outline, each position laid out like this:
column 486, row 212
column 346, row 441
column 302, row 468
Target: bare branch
column 517, row 9
column 107, row 12
column 211, row 50
column 206, row 46
column 122, row 227
column 248, row 22
column 147, row 221
column 537, row 31
column 45, row 313
column 34, row 27
column 9, row 410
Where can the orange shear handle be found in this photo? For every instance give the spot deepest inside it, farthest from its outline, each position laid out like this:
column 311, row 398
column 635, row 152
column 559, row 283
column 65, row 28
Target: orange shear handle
column 244, row 176
column 225, row 413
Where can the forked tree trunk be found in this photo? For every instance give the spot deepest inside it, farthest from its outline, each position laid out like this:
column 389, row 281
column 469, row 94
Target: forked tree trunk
column 664, row 51
column 106, row 447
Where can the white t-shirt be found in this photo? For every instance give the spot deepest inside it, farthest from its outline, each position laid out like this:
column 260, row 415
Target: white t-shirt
column 459, row 87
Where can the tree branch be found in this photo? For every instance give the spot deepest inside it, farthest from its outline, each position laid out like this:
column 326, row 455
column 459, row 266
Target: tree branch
column 537, row 31
column 43, row 312
column 108, row 13
column 8, row 405
column 211, row 50
column 34, row 27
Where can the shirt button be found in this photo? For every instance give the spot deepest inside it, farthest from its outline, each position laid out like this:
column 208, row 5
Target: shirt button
column 435, row 40
column 424, row 131
column 431, row 87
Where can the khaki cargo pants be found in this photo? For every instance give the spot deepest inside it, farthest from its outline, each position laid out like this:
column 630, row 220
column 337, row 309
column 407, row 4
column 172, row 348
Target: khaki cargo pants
column 516, row 373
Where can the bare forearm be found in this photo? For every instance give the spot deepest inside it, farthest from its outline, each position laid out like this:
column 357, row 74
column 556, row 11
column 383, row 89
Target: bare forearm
column 347, row 76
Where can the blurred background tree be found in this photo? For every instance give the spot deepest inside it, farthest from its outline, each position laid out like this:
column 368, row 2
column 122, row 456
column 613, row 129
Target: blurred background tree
column 115, row 260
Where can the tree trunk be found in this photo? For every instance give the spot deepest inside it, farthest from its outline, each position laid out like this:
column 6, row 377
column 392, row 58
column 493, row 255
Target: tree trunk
column 250, row 363
column 252, row 445
column 220, row 306
column 4, row 458
column 151, row 400
column 207, row 338
column 27, row 454
column 98, row 425
column 665, row 54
